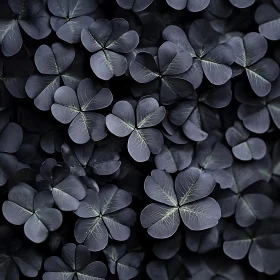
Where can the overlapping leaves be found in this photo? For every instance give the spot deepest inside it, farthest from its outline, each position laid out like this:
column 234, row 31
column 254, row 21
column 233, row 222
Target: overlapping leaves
column 170, row 69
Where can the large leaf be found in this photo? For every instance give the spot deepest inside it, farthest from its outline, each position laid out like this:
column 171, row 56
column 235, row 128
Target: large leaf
column 42, row 88
column 70, row 32
column 92, row 233
column 192, row 184
column 149, row 113
column 36, row 25
column 159, row 186
column 8, row 167
column 215, row 64
column 217, row 97
column 122, row 120
column 77, row 156
column 143, row 142
column 201, row 215
column 68, row 193
column 173, row 88
column 261, row 75
column 17, row 258
column 33, row 19
column 161, row 221
column 106, row 64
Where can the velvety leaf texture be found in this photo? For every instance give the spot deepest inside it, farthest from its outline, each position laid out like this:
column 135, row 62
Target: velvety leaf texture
column 139, row 139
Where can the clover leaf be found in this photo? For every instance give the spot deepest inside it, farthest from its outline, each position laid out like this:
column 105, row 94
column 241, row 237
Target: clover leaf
column 102, row 215
column 74, row 264
column 256, row 112
column 166, row 67
column 70, row 18
column 194, row 114
column 16, row 258
column 244, row 147
column 124, row 264
column 109, row 46
column 260, row 71
column 259, row 242
column 31, row 16
column 34, row 210
column 78, row 110
column 187, row 201
column 54, row 64
column 143, row 139
column 66, row 189
column 243, row 199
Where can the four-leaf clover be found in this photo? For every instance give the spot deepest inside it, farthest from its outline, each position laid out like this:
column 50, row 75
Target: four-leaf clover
column 187, row 200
